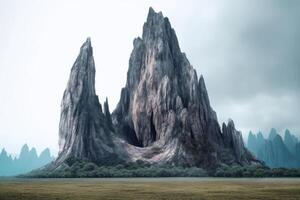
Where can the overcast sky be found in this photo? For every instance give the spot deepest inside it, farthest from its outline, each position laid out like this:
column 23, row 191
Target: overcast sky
column 247, row 50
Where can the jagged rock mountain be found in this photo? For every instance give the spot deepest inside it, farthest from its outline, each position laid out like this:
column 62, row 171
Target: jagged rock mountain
column 274, row 151
column 290, row 141
column 107, row 115
column 233, row 140
column 251, row 142
column 260, row 139
column 25, row 162
column 255, row 142
column 84, row 131
column 5, row 163
column 164, row 110
column 273, row 133
column 163, row 117
column 44, row 157
column 275, row 154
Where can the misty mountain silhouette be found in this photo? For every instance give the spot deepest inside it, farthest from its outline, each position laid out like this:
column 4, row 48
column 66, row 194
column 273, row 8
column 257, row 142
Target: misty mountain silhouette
column 27, row 160
column 275, row 151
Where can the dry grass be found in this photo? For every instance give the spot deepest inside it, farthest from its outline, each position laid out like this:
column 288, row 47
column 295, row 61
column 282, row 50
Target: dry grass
column 201, row 188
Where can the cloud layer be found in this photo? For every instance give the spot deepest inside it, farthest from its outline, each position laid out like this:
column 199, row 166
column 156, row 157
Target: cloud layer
column 249, row 55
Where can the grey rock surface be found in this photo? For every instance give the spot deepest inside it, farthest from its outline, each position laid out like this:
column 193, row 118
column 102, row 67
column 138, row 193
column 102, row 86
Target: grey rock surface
column 84, row 132
column 163, row 117
column 164, row 107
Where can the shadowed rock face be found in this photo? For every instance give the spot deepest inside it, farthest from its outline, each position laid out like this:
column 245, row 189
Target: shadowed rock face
column 163, row 116
column 165, row 106
column 83, row 129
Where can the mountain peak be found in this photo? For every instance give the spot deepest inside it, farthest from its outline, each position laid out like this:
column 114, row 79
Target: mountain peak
column 260, row 135
column 23, row 163
column 87, row 45
column 163, row 116
column 157, row 32
column 45, row 153
column 83, row 129
column 164, row 103
column 152, row 15
column 273, row 133
column 230, row 123
column 25, row 148
column 33, row 150
column 3, row 153
column 81, row 84
column 107, row 114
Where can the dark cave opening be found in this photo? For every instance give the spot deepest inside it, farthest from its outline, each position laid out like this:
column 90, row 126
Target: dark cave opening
column 131, row 136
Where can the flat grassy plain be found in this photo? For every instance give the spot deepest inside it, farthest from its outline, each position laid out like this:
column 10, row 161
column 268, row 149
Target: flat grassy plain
column 150, row 188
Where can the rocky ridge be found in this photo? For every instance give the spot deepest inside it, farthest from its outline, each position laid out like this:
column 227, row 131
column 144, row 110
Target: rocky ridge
column 84, row 130
column 164, row 114
column 274, row 150
column 165, row 108
column 27, row 160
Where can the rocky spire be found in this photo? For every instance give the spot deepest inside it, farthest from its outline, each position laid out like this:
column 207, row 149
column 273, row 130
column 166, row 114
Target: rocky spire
column 45, row 153
column 24, row 151
column 233, row 140
column 3, row 153
column 107, row 114
column 290, row 141
column 164, row 114
column 83, row 130
column 156, row 67
column 273, row 133
column 164, row 103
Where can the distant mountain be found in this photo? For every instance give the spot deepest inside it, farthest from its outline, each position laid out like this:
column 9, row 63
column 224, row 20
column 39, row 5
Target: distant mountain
column 25, row 162
column 275, row 151
column 275, row 154
column 5, row 163
column 255, row 142
column 273, row 133
column 290, row 141
column 164, row 116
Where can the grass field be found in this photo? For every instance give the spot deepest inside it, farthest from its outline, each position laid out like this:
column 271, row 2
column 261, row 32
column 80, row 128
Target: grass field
column 148, row 188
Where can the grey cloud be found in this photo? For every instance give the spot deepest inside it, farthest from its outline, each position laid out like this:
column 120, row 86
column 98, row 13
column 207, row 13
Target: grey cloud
column 250, row 60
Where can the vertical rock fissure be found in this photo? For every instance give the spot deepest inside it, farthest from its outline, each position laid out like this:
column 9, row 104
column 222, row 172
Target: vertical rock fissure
column 131, row 136
column 152, row 129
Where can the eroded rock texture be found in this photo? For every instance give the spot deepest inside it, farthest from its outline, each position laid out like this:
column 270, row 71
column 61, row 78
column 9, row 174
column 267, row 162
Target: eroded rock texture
column 165, row 108
column 84, row 131
column 163, row 116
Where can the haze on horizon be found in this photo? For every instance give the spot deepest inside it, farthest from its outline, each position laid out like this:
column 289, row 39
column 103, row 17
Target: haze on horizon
column 246, row 50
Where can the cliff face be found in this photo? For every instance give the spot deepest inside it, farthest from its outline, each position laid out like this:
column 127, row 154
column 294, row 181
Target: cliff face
column 84, row 133
column 163, row 116
column 164, row 106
